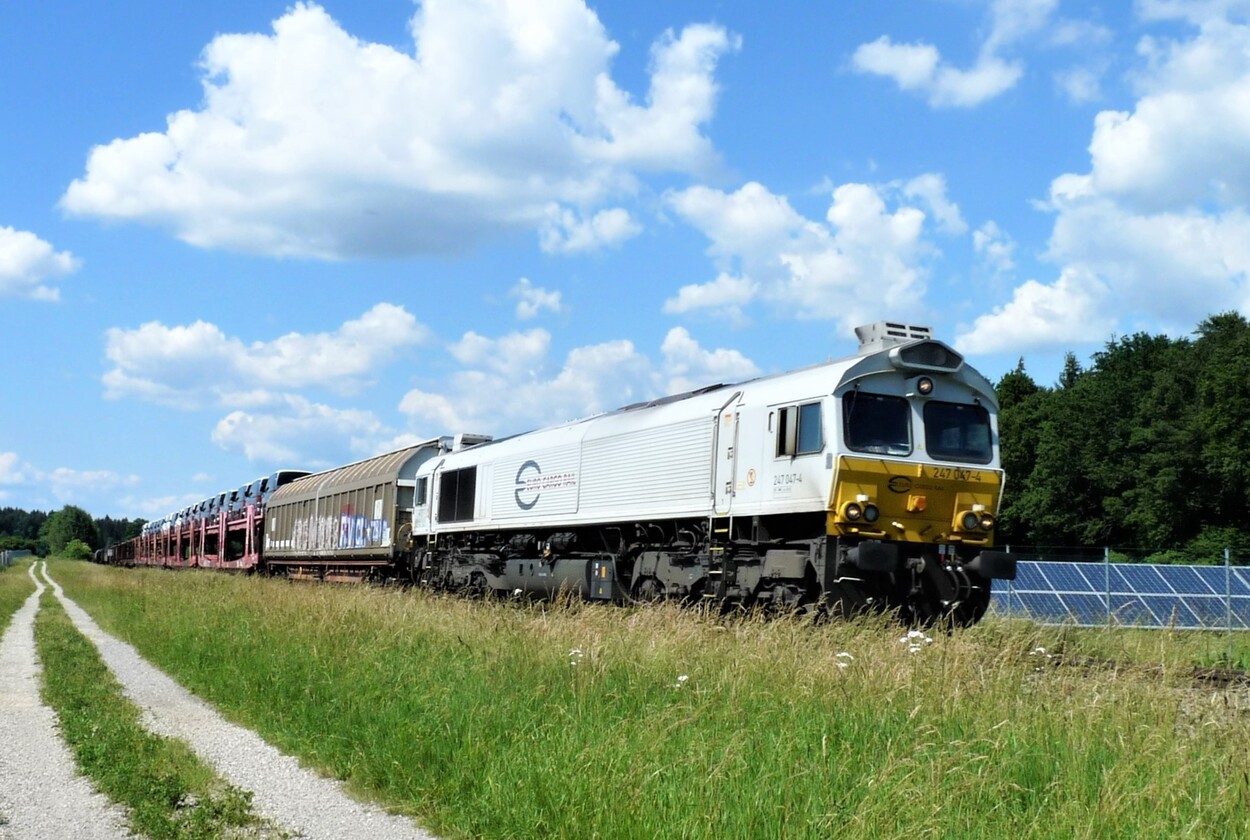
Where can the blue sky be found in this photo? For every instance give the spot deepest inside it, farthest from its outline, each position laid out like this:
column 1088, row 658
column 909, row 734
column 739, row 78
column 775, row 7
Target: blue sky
column 247, row 235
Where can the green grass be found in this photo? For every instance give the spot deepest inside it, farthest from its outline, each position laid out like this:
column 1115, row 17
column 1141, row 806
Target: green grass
column 15, row 588
column 481, row 720
column 168, row 791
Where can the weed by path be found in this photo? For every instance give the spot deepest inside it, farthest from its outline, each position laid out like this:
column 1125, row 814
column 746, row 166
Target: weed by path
column 15, row 588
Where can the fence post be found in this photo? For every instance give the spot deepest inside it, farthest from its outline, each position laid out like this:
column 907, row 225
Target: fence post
column 1228, row 593
column 1010, row 587
column 1106, row 579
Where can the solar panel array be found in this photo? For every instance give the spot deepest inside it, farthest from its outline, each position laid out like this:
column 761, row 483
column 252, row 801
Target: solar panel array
column 1126, row 594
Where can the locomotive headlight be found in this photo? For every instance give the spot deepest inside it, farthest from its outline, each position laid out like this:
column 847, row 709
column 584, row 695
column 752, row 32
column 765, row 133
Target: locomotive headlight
column 987, row 522
column 970, row 521
column 924, row 386
column 852, row 511
column 871, row 514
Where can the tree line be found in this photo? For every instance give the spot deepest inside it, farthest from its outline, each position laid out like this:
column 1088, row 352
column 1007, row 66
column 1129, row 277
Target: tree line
column 51, row 533
column 1145, row 449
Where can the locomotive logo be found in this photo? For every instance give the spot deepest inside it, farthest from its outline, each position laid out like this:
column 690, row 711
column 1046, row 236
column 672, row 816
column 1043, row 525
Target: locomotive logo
column 532, row 483
column 527, row 486
column 899, row 484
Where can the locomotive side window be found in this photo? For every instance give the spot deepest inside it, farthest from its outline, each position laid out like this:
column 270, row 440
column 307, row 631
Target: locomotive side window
column 958, row 432
column 799, row 430
column 423, row 488
column 876, row 423
column 456, row 492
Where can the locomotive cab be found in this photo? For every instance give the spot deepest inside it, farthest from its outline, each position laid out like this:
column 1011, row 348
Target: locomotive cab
column 917, row 484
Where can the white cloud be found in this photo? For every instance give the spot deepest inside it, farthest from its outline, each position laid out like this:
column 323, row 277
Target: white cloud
column 1073, row 310
column 311, row 142
column 70, row 484
column 919, row 67
column 665, row 134
column 689, row 366
column 1080, row 84
column 197, row 364
column 533, row 299
column 931, row 189
column 1161, row 221
column 12, row 471
column 26, row 262
column 514, row 354
column 995, row 248
column 289, row 430
column 866, row 263
column 565, row 233
column 724, row 297
column 1157, row 232
column 66, row 484
column 503, row 399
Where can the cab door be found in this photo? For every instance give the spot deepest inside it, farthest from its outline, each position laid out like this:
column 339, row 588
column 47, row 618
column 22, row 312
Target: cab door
column 725, row 455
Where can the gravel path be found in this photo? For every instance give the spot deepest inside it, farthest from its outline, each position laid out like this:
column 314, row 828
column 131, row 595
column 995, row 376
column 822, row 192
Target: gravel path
column 42, row 796
column 296, row 799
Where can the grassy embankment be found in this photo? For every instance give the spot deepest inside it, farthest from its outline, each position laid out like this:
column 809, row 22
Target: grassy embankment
column 505, row 721
column 168, row 792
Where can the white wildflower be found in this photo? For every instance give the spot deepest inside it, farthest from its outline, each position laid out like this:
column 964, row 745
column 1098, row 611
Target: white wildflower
column 681, row 680
column 575, row 656
column 915, row 641
column 843, row 659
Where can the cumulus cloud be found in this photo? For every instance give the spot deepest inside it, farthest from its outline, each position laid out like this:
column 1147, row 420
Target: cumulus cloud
column 930, row 188
column 190, row 366
column 514, row 354
column 12, row 471
column 312, row 142
column 767, row 251
column 565, row 232
column 1073, row 310
column 724, row 297
column 1158, row 229
column 919, row 67
column 689, row 366
column 531, row 300
column 994, row 248
column 70, row 484
column 502, row 397
column 66, row 484
column 294, row 426
column 26, row 262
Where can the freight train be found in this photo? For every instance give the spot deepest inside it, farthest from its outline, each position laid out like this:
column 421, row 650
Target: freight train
column 865, row 483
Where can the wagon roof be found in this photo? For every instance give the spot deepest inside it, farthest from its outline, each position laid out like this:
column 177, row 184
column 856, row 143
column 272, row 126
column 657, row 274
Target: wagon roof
column 389, row 468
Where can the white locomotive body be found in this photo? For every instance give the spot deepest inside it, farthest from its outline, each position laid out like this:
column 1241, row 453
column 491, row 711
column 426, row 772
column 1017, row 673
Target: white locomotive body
column 865, row 482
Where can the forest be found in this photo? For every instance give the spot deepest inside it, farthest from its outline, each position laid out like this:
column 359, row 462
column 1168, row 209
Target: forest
column 1144, row 450
column 50, row 533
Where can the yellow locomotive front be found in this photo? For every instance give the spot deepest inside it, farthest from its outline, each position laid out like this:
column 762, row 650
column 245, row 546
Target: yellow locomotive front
column 917, row 483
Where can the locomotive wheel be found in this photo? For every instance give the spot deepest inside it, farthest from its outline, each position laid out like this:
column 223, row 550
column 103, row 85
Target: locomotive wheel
column 477, row 587
column 648, row 590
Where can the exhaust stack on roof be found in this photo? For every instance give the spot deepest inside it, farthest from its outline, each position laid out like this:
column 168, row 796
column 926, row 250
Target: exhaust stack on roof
column 884, row 334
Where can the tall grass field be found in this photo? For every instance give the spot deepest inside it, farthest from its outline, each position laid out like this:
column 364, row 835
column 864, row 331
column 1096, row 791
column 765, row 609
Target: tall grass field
column 507, row 720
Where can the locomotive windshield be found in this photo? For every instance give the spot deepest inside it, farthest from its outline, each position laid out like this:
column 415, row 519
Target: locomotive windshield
column 877, row 423
column 957, row 432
